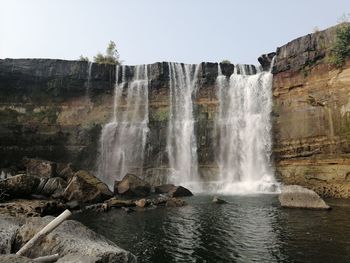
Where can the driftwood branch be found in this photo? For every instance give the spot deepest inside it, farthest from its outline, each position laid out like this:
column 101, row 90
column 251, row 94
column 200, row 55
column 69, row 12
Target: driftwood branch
column 47, row 229
column 47, row 259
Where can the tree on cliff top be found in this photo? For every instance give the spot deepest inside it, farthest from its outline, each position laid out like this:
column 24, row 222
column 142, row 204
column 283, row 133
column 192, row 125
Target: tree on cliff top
column 111, row 57
column 340, row 50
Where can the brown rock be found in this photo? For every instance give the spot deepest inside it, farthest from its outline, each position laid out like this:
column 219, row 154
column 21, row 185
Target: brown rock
column 65, row 171
column 19, row 186
column 54, row 186
column 85, row 187
column 114, row 202
column 133, row 186
column 41, row 168
column 142, row 203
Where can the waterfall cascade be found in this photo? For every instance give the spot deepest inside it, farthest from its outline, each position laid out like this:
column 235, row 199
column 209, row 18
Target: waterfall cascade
column 243, row 128
column 123, row 139
column 181, row 140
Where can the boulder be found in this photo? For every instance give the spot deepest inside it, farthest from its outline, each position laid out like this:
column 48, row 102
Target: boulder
column 296, row 196
column 8, row 228
column 70, row 238
column 65, row 171
column 20, row 185
column 172, row 190
column 217, row 200
column 77, row 258
column 41, row 168
column 86, row 188
column 265, row 60
column 132, row 186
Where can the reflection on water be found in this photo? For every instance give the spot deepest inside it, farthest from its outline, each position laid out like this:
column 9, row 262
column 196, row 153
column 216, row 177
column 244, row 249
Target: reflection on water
column 248, row 229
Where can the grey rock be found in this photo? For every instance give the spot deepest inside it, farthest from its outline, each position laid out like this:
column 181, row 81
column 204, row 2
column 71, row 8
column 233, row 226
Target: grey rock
column 217, row 200
column 132, row 186
column 71, row 237
column 8, row 228
column 77, row 258
column 12, row 258
column 172, row 190
column 296, row 196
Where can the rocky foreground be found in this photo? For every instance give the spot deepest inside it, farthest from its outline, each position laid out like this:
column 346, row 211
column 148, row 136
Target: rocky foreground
column 43, row 188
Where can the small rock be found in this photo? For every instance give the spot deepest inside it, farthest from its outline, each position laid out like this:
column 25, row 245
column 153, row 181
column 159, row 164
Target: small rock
column 217, row 200
column 132, row 186
column 296, row 196
column 142, row 203
column 174, row 202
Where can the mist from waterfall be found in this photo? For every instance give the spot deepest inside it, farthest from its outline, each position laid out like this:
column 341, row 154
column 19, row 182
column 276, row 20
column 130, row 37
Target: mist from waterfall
column 181, row 140
column 123, row 139
column 243, row 128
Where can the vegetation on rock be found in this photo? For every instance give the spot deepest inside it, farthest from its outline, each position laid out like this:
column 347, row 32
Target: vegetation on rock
column 340, row 50
column 225, row 61
column 111, row 57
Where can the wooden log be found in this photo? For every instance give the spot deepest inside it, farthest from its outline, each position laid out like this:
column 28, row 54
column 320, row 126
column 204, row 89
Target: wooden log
column 47, row 259
column 47, row 229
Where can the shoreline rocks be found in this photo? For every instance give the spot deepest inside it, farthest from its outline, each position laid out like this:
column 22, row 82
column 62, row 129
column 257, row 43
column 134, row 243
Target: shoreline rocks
column 296, row 196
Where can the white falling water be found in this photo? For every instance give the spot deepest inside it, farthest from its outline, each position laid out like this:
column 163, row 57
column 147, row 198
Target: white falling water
column 123, row 139
column 181, row 141
column 244, row 130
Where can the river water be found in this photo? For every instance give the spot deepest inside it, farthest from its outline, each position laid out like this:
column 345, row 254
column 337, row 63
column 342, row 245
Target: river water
column 250, row 228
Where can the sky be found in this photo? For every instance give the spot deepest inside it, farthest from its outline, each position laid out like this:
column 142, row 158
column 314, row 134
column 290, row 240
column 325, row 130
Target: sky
column 148, row 31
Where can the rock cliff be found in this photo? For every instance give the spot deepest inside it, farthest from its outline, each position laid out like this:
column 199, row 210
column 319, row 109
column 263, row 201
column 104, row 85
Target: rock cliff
column 311, row 113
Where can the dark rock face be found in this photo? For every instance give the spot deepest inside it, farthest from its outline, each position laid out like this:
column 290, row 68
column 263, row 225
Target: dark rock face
column 133, row 186
column 266, row 60
column 86, row 188
column 71, row 237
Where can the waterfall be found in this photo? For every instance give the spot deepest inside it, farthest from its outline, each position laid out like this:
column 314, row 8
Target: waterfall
column 243, row 128
column 123, row 139
column 181, row 141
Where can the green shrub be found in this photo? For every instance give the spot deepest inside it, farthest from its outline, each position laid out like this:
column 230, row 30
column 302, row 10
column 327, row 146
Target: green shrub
column 82, row 58
column 111, row 57
column 225, row 61
column 340, row 50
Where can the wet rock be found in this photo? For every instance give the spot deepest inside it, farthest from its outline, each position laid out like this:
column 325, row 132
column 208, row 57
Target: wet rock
column 142, row 203
column 71, row 237
column 86, row 188
column 174, row 202
column 20, row 185
column 132, row 186
column 172, row 190
column 217, row 200
column 296, row 196
column 8, row 228
column 128, row 209
column 114, row 202
column 41, row 168
column 72, row 205
column 12, row 258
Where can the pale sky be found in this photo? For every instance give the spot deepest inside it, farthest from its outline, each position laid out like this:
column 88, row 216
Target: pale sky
column 148, row 31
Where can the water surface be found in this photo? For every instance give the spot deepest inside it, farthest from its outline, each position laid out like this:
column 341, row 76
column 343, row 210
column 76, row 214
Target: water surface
column 248, row 229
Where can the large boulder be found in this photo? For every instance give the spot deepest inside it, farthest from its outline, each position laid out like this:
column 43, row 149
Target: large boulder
column 172, row 190
column 132, row 186
column 8, row 228
column 86, row 188
column 12, row 258
column 20, row 185
column 296, row 196
column 70, row 240
column 41, row 168
column 54, row 186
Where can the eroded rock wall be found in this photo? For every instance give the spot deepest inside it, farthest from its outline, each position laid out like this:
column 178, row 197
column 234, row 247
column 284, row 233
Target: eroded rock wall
column 312, row 116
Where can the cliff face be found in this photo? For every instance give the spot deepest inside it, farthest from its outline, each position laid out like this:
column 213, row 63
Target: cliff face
column 312, row 116
column 52, row 109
